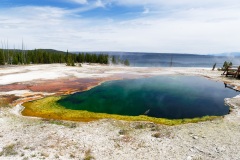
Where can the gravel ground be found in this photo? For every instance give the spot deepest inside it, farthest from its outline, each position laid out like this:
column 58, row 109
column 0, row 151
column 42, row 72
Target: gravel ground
column 36, row 138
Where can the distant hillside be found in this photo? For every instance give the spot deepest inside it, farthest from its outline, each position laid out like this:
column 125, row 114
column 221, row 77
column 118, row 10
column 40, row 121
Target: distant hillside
column 231, row 54
column 51, row 50
column 42, row 50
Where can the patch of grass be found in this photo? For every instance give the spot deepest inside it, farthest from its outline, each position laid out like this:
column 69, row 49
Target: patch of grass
column 8, row 150
column 52, row 121
column 72, row 155
column 162, row 134
column 139, row 126
column 49, row 108
column 88, row 155
column 141, row 144
column 155, row 128
column 26, row 148
column 123, row 132
column 157, row 135
column 33, row 155
column 43, row 154
column 117, row 145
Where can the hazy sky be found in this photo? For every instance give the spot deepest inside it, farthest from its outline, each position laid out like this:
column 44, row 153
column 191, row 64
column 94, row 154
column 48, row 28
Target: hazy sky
column 179, row 26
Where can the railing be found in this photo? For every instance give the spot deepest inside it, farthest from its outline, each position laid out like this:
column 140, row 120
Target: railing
column 233, row 71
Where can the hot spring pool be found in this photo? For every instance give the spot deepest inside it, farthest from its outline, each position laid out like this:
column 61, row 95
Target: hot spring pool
column 172, row 97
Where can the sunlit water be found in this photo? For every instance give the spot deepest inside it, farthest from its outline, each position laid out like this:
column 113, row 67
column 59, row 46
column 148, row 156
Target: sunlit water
column 172, row 97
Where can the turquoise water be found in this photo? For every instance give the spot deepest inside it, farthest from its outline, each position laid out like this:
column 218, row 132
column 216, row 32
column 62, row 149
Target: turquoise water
column 172, row 97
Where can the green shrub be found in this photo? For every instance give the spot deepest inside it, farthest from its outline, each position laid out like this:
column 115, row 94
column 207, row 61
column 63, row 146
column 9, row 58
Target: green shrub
column 8, row 150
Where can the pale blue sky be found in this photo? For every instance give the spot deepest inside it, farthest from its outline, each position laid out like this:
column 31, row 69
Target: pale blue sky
column 179, row 26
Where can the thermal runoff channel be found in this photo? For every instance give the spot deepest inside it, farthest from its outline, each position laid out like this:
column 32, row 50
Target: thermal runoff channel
column 173, row 97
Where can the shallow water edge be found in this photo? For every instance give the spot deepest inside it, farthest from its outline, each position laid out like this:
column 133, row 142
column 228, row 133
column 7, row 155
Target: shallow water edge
column 48, row 108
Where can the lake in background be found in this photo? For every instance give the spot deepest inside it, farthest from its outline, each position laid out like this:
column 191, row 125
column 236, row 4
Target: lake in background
column 174, row 60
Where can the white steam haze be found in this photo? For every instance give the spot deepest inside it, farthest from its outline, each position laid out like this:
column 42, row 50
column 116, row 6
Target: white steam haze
column 175, row 26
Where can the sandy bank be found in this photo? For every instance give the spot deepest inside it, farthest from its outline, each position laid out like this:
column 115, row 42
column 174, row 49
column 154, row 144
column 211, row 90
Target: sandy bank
column 22, row 137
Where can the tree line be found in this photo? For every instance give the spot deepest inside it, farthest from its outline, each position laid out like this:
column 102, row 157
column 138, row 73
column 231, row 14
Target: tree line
column 48, row 56
column 117, row 60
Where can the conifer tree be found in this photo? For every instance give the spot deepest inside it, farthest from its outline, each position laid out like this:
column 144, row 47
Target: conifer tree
column 2, row 60
column 126, row 62
column 15, row 60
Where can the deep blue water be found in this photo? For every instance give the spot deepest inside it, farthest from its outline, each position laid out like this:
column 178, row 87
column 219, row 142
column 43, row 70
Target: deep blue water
column 172, row 97
column 174, row 60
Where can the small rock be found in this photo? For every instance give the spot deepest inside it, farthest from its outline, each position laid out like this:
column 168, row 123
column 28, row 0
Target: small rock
column 195, row 137
column 73, row 125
